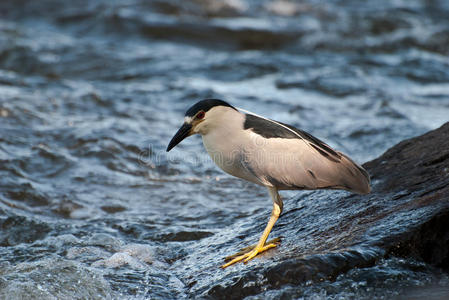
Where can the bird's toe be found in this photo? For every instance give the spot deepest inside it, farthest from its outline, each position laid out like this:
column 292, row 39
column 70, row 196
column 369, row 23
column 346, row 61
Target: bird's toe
column 249, row 253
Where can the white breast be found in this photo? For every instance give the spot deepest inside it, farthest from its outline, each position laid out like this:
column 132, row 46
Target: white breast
column 225, row 144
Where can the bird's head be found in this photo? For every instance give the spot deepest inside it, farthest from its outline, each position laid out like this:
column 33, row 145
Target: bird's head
column 199, row 119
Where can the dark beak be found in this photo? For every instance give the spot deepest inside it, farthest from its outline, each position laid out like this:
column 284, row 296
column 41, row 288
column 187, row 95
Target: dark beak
column 182, row 133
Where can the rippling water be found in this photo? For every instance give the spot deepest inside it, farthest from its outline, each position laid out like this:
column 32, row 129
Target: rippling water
column 91, row 92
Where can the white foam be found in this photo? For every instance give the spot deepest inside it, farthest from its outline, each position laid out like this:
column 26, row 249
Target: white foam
column 136, row 256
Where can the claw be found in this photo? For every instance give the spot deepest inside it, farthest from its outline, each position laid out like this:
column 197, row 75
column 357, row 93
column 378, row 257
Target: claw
column 250, row 254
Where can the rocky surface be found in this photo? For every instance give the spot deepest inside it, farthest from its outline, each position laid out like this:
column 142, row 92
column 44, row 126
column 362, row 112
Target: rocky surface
column 414, row 177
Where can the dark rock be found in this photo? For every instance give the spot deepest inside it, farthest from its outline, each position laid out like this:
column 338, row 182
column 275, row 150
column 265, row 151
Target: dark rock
column 183, row 236
column 418, row 170
column 17, row 229
column 406, row 215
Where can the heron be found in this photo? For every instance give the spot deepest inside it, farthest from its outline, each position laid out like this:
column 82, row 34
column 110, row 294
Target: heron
column 269, row 153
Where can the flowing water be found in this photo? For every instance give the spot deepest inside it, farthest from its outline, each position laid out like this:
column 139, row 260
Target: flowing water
column 91, row 92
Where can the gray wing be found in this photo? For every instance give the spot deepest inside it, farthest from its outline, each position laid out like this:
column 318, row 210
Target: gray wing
column 289, row 158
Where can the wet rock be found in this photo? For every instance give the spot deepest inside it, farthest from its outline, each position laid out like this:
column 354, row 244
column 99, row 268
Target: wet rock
column 17, row 229
column 415, row 174
column 406, row 215
column 183, row 236
column 52, row 279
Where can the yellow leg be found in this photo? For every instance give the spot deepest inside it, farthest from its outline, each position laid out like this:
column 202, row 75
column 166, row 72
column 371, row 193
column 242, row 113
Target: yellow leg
column 262, row 245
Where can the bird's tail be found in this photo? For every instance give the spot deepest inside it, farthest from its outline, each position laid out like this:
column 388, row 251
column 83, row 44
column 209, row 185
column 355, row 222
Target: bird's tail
column 356, row 178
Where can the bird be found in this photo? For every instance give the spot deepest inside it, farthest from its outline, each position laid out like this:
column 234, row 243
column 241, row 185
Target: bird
column 269, row 153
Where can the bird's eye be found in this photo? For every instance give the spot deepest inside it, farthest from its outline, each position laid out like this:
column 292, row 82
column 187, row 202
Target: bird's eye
column 200, row 115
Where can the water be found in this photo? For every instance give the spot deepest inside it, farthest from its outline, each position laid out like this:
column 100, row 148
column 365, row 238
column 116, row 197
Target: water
column 91, row 93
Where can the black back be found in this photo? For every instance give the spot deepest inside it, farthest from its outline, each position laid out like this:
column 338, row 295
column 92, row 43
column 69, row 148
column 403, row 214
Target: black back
column 205, row 105
column 269, row 129
column 266, row 128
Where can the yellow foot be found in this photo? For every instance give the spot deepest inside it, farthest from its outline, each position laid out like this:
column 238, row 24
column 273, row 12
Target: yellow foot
column 248, row 253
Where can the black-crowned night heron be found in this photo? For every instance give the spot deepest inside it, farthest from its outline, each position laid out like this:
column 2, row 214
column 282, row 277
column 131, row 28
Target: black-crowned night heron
column 269, row 153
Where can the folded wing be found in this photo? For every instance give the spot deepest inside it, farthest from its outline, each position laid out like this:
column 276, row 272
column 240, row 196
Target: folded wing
column 289, row 158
